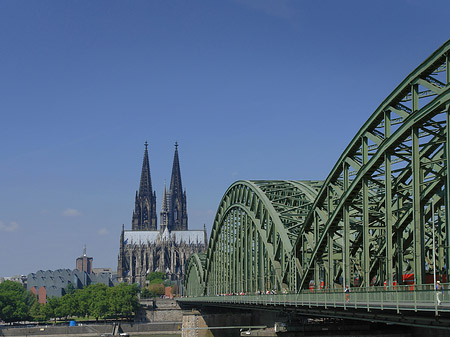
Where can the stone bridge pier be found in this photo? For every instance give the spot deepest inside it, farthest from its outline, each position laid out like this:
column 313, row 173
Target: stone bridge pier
column 224, row 322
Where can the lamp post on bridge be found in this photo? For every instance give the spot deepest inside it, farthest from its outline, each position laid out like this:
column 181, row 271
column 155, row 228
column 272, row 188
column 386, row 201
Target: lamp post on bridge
column 434, row 243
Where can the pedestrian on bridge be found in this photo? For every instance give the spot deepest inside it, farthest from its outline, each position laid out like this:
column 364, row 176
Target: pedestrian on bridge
column 439, row 292
column 347, row 294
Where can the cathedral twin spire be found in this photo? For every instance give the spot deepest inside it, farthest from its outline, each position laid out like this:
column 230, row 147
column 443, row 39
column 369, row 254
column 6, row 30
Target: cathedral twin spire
column 177, row 205
column 144, row 215
column 173, row 210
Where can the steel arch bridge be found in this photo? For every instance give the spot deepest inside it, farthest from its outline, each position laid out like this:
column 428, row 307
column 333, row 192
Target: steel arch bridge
column 374, row 220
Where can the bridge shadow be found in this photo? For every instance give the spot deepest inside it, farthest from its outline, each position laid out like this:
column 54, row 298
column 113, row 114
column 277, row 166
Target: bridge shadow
column 223, row 321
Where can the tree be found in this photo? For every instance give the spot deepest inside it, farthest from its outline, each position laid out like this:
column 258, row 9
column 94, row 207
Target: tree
column 52, row 308
column 145, row 293
column 123, row 299
column 70, row 303
column 157, row 281
column 64, row 308
column 157, row 289
column 37, row 312
column 15, row 302
column 81, row 302
column 98, row 301
column 156, row 275
column 47, row 311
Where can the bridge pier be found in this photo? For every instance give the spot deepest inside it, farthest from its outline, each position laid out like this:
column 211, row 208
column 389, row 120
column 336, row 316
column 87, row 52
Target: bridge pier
column 224, row 322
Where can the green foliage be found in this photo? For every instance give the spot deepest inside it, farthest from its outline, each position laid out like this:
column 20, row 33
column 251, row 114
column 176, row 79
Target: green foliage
column 123, row 299
column 98, row 300
column 37, row 312
column 81, row 302
column 51, row 309
column 70, row 304
column 156, row 289
column 156, row 281
column 15, row 302
column 156, row 275
column 146, row 293
column 157, row 278
column 47, row 312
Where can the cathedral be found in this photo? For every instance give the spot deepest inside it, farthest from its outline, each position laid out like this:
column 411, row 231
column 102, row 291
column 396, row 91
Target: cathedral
column 145, row 248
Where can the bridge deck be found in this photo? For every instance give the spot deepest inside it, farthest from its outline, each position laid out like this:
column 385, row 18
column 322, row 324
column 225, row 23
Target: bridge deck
column 398, row 300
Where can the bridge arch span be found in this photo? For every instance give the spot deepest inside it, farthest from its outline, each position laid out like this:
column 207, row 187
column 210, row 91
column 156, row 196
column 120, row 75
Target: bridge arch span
column 251, row 242
column 373, row 221
column 385, row 192
column 196, row 275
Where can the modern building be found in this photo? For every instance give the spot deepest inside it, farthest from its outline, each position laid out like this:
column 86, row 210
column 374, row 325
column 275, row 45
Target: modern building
column 54, row 283
column 144, row 248
column 84, row 263
column 49, row 283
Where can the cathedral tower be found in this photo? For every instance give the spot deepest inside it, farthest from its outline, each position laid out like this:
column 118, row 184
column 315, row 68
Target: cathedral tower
column 144, row 215
column 178, row 220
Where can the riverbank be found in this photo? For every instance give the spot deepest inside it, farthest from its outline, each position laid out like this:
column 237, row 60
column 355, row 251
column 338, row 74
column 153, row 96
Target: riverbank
column 156, row 329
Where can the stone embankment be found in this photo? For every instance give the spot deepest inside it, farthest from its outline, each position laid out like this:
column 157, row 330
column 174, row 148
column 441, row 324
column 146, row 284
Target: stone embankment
column 159, row 310
column 93, row 330
column 162, row 316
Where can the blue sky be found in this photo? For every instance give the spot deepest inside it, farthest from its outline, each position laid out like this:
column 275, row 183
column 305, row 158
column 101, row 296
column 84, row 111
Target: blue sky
column 250, row 89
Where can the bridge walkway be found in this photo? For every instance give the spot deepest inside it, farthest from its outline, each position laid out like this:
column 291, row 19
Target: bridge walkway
column 412, row 305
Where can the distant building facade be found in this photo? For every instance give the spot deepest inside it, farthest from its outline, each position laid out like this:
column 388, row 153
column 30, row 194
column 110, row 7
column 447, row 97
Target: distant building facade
column 144, row 248
column 22, row 279
column 102, row 270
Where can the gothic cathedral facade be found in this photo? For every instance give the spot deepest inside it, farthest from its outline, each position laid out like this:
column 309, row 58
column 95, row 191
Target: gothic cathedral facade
column 145, row 248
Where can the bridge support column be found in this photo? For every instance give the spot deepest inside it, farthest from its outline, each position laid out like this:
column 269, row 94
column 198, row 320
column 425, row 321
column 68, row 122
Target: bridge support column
column 223, row 322
column 194, row 325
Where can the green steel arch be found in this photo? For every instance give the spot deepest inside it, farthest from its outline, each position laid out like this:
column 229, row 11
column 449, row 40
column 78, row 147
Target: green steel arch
column 251, row 244
column 195, row 274
column 374, row 220
column 386, row 191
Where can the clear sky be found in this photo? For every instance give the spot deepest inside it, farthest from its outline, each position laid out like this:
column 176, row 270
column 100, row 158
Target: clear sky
column 250, row 89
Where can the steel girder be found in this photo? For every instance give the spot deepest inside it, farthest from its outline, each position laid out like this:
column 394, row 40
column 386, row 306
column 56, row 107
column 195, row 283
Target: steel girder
column 374, row 220
column 386, row 190
column 195, row 274
column 252, row 238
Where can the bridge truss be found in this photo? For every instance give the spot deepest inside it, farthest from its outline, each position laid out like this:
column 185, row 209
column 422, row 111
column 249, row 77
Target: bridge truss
column 373, row 221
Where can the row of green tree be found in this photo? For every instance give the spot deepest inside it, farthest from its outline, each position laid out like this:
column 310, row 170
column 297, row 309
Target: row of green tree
column 97, row 301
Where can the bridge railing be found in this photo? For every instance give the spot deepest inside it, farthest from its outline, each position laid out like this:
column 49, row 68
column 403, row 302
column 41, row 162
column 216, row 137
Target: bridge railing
column 399, row 298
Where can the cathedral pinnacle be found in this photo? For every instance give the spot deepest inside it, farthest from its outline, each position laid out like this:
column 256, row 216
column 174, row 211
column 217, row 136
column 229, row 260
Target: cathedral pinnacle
column 177, row 206
column 144, row 215
column 164, row 216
